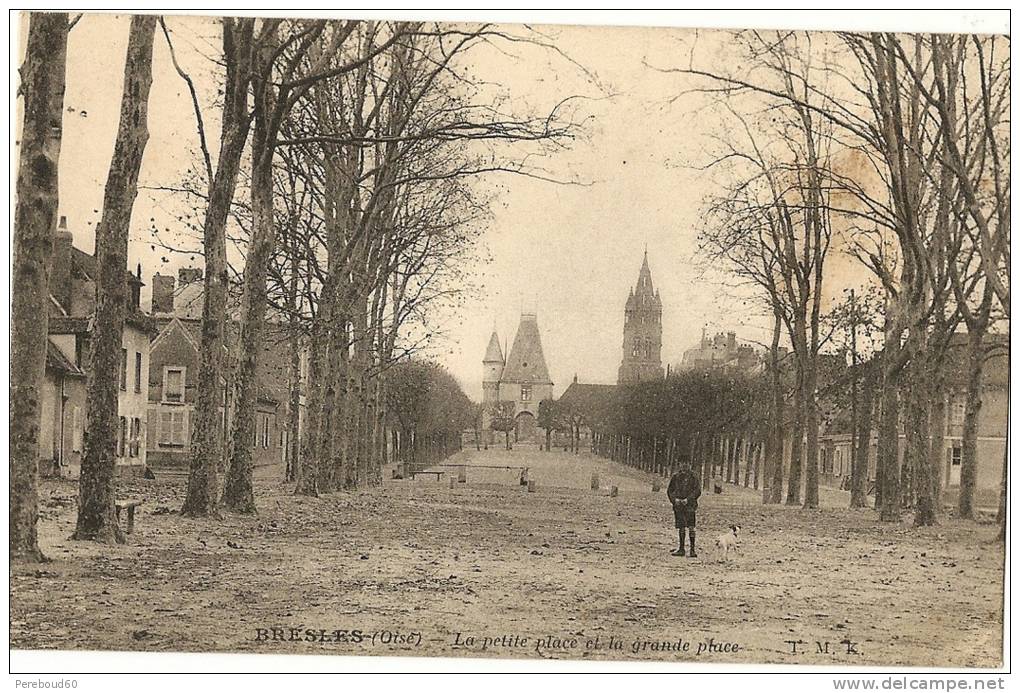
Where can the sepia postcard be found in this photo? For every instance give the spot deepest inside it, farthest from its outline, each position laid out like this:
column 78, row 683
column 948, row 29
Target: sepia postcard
column 397, row 337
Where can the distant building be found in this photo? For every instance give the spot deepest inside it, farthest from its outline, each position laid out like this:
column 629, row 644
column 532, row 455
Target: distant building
column 835, row 452
column 642, row 331
column 583, row 405
column 522, row 378
column 71, row 324
column 721, row 351
column 173, row 379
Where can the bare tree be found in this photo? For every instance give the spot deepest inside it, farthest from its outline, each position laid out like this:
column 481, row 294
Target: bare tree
column 96, row 517
column 207, row 440
column 35, row 218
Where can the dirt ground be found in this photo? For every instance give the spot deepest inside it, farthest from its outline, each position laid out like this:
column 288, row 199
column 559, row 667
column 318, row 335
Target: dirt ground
column 416, row 568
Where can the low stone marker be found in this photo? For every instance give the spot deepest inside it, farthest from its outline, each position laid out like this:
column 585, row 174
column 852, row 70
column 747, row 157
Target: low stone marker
column 594, row 482
column 462, row 474
column 453, row 482
column 531, row 485
column 614, row 492
column 656, row 486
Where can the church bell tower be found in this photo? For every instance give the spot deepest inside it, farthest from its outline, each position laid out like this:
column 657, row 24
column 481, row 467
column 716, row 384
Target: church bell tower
column 642, row 332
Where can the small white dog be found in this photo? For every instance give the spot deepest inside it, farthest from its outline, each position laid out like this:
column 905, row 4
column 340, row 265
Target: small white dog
column 728, row 541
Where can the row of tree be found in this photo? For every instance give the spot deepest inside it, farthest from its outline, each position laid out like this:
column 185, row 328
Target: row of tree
column 338, row 207
column 427, row 413
column 891, row 150
column 713, row 420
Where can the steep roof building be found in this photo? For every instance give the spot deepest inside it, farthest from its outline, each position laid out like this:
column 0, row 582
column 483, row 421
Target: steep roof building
column 526, row 362
column 522, row 378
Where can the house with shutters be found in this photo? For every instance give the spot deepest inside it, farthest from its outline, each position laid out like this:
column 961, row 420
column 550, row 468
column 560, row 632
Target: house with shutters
column 173, row 378
column 71, row 324
column 836, row 446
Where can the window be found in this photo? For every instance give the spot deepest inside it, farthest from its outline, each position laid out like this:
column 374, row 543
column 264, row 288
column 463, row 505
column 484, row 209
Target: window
column 173, row 385
column 637, row 347
column 121, row 437
column 138, row 371
column 123, row 369
column 172, row 427
column 525, row 393
column 133, row 444
column 265, row 431
column 956, row 456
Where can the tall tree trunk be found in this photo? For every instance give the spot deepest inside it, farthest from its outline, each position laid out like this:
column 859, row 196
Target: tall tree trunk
column 772, row 489
column 35, row 218
column 294, row 367
column 293, row 404
column 797, row 448
column 308, row 470
column 811, row 424
column 347, row 425
column 329, row 445
column 937, row 453
column 919, row 440
column 862, row 450
column 889, row 441
column 238, row 491
column 971, row 417
column 207, row 419
column 97, row 519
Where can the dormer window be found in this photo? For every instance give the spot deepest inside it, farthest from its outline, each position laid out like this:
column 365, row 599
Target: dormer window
column 173, row 384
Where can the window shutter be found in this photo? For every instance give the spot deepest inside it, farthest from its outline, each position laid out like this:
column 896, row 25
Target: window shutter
column 153, row 424
column 178, row 427
column 76, row 442
column 166, row 426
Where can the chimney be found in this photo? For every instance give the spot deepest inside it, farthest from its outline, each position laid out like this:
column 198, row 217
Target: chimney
column 189, row 275
column 162, row 293
column 61, row 285
column 731, row 339
column 136, row 288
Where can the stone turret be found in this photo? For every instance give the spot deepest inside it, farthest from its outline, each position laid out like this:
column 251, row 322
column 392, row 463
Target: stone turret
column 492, row 369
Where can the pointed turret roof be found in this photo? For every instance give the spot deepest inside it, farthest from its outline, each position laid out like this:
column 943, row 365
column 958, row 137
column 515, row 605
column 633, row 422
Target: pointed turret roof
column 643, row 293
column 644, row 282
column 526, row 362
column 493, row 354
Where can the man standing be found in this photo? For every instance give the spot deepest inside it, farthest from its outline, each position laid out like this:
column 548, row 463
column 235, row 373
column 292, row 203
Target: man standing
column 683, row 491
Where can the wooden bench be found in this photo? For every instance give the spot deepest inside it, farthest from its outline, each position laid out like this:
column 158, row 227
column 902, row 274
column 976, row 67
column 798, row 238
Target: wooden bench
column 130, row 506
column 428, row 471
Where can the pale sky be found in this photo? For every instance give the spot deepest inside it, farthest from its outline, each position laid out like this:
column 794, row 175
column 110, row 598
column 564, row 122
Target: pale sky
column 567, row 252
